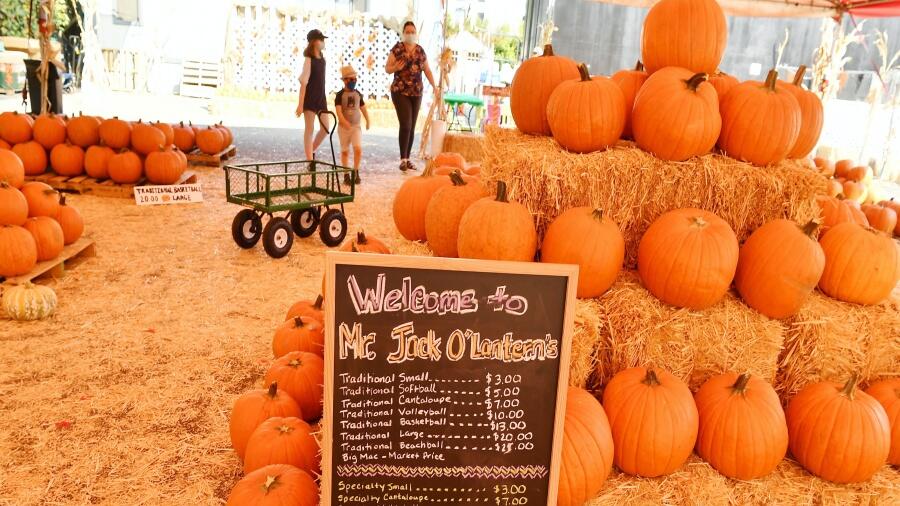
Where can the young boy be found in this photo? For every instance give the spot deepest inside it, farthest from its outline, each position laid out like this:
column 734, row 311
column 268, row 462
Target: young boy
column 349, row 104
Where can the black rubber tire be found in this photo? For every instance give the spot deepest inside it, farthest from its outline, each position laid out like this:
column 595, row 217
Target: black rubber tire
column 278, row 237
column 310, row 215
column 246, row 229
column 333, row 228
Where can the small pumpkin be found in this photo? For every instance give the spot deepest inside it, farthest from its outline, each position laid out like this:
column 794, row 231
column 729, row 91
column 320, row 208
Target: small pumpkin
column 282, row 440
column 67, row 160
column 841, row 167
column 163, row 166
column 167, row 131
column 227, row 134
column 300, row 333
column 887, row 393
column 663, row 441
column 834, row 210
column 742, row 431
column 48, row 236
column 28, row 302
column 115, row 133
column 895, row 205
column 310, row 309
column 255, row 407
column 722, row 82
column 825, row 416
column 599, row 113
column 15, row 128
column 146, row 138
column 83, row 131
column 779, row 266
column 858, row 174
column 96, row 161
column 859, row 217
column 812, row 115
column 411, row 202
column 493, row 228
column 835, row 188
column 11, row 169
column 125, row 167
column 587, row 449
column 444, row 212
column 688, row 257
column 473, row 170
column 690, row 34
column 275, row 485
column 33, row 156
column 449, row 159
column 18, row 251
column 42, row 199
column 302, row 376
column 363, row 243
column 880, row 217
column 852, row 276
column 49, row 130
column 210, row 140
column 70, row 221
column 594, row 242
column 630, row 82
column 531, row 86
column 13, row 206
column 183, row 137
column 825, row 166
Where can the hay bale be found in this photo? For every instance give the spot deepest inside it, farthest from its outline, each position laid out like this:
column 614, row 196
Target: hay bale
column 585, row 338
column 468, row 144
column 635, row 187
column 829, row 339
column 638, row 329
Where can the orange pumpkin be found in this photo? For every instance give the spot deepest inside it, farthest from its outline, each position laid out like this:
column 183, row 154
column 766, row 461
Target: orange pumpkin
column 42, row 199
column 4, row 145
column 880, row 217
column 825, row 166
column 852, row 276
column 760, row 121
column 70, row 221
column 300, row 333
column 449, row 159
column 18, row 251
column 96, row 161
column 167, row 131
column 67, row 160
column 742, row 431
column 835, row 188
column 11, row 168
column 282, row 440
column 163, row 166
column 594, row 242
column 227, row 134
column 630, row 82
column 363, row 243
column 834, row 210
column 15, row 128
column 838, row 433
column 779, row 266
column 83, row 131
column 690, row 34
column 856, row 213
column 723, row 83
column 146, row 139
column 13, row 206
column 33, row 156
column 854, row 191
column 667, row 431
column 812, row 115
column 587, row 449
column 183, row 137
column 309, row 309
column 125, row 167
column 275, row 485
column 302, row 376
column 688, row 257
column 532, row 84
column 255, row 407
column 48, row 236
column 599, row 113
column 493, row 228
column 887, row 393
column 842, row 166
column 444, row 212
column 858, row 174
column 676, row 115
column 49, row 130
column 115, row 133
column 210, row 140
column 473, row 170
column 893, row 204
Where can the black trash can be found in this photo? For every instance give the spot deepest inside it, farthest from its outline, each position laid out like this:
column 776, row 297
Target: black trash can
column 54, row 87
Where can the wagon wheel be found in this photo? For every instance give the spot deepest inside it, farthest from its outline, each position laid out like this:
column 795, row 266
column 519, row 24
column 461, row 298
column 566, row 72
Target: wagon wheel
column 278, row 237
column 333, row 227
column 246, row 228
column 304, row 221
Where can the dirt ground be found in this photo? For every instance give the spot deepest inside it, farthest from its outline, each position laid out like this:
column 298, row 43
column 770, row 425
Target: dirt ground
column 123, row 396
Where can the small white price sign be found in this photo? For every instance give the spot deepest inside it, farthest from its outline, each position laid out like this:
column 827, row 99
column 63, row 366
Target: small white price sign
column 168, row 194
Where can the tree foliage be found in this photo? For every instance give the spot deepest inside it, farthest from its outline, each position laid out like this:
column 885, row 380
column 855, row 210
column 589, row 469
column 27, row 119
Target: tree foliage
column 14, row 17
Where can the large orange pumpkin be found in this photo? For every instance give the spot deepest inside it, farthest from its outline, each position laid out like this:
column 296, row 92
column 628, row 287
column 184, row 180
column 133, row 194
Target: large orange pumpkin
column 688, row 257
column 167, row 131
column 83, row 130
column 630, row 82
column 115, row 133
column 282, row 440
column 862, row 265
column 880, row 217
column 532, row 84
column 411, row 201
column 493, row 228
column 300, row 333
column 779, row 266
column 15, row 128
column 760, row 121
column 67, row 160
column 163, row 166
column 49, row 130
column 887, row 392
column 676, row 115
column 838, row 433
column 4, row 145
column 210, row 140
column 859, row 217
column 275, row 485
column 33, row 156
column 444, row 212
column 743, row 433
column 13, row 206
column 70, row 221
column 11, row 168
column 449, row 159
column 310, row 309
column 594, row 242
column 42, row 199
column 722, row 82
column 302, row 376
column 48, row 236
column 587, row 449
column 146, row 138
column 96, row 161
column 895, row 205
column 183, row 137
column 667, row 431
column 586, row 114
column 691, row 34
column 812, row 115
column 255, row 407
column 125, row 167
column 18, row 251
column 363, row 243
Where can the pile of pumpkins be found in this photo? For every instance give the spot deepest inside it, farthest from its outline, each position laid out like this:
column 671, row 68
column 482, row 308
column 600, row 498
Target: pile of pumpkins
column 676, row 104
column 111, row 148
column 852, row 197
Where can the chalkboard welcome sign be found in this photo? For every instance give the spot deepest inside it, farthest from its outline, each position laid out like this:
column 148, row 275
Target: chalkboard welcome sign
column 445, row 380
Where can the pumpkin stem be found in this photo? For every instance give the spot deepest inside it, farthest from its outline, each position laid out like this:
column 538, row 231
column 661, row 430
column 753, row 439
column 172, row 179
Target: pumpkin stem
column 295, row 363
column 273, row 390
column 740, row 386
column 771, row 79
column 698, row 221
column 695, row 80
column 639, row 66
column 353, row 247
column 361, row 237
column 650, row 379
column 798, row 77
column 456, row 178
column 548, row 50
column 584, row 72
column 849, row 389
column 285, row 429
column 501, row 192
column 319, row 300
column 62, row 199
column 298, row 321
column 597, row 213
column 810, row 228
column 271, row 482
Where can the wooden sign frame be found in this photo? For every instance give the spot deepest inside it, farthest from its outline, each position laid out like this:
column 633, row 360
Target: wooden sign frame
column 332, row 258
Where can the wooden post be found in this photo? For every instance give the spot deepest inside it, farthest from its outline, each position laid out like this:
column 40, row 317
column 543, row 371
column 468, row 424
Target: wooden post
column 46, row 26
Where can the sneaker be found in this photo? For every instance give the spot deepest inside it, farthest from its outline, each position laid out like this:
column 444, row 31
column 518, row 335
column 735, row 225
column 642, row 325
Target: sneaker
column 403, row 165
column 358, row 180
column 410, row 166
column 347, row 179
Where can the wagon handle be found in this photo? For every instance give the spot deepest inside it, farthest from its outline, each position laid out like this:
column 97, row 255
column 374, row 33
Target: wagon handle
column 330, row 131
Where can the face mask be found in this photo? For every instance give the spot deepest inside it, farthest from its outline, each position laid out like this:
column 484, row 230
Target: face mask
column 410, row 38
column 321, row 45
column 351, row 85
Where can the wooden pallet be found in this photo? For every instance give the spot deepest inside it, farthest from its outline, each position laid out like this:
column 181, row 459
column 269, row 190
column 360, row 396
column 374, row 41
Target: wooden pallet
column 196, row 157
column 71, row 255
column 102, row 188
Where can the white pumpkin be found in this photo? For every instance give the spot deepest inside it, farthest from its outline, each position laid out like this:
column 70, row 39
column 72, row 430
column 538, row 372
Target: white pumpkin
column 28, row 302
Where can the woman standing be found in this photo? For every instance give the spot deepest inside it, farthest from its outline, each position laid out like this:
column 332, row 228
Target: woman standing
column 407, row 62
column 312, row 92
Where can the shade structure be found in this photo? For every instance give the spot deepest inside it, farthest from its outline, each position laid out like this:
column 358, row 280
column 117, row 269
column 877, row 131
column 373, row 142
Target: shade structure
column 795, row 8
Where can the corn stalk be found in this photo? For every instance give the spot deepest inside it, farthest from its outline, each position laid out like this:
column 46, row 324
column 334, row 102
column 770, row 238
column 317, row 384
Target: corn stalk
column 830, row 58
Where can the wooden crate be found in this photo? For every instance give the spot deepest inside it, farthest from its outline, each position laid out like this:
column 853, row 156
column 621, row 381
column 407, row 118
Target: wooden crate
column 71, row 255
column 196, row 157
column 86, row 185
column 200, row 79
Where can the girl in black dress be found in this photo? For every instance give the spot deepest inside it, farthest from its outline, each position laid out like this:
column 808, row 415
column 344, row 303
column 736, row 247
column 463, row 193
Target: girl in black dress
column 312, row 92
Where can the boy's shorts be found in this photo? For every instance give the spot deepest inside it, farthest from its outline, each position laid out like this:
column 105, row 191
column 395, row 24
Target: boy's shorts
column 350, row 136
